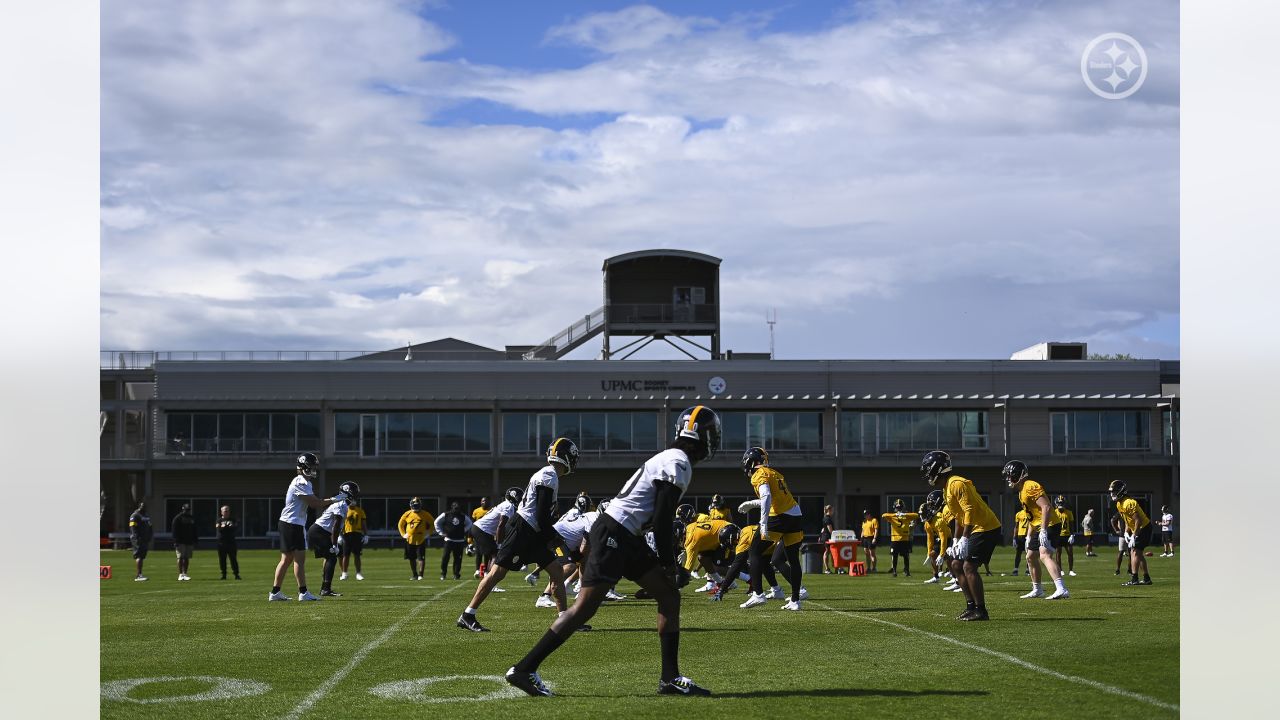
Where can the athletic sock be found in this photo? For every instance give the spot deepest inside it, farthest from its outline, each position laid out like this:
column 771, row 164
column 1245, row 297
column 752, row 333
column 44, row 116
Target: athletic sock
column 670, row 655
column 469, row 611
column 970, row 605
column 547, row 645
column 1036, row 587
column 1133, row 577
column 1146, row 577
column 274, row 588
column 1058, row 584
column 302, row 589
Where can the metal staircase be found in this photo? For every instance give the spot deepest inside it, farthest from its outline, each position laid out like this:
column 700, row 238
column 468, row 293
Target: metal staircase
column 569, row 339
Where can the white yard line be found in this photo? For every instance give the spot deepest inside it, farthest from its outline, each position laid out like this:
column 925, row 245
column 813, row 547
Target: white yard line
column 361, row 654
column 1010, row 659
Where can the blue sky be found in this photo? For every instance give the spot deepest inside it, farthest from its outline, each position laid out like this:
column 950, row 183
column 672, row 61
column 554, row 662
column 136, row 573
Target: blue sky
column 897, row 179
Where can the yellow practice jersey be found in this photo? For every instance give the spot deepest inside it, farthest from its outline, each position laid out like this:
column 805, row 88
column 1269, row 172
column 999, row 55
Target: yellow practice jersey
column 479, row 513
column 416, row 525
column 355, row 520
column 900, row 525
column 724, row 514
column 702, row 518
column 942, row 526
column 747, row 537
column 700, row 537
column 1068, row 520
column 930, row 537
column 967, row 505
column 781, row 499
column 1022, row 522
column 1030, row 492
column 1134, row 518
column 870, row 527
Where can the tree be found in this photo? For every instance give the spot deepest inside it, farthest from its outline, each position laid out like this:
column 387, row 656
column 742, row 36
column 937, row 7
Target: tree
column 1116, row 356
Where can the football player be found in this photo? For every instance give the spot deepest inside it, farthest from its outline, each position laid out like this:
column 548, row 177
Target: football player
column 870, row 528
column 140, row 534
column 414, row 526
column 533, row 538
column 1067, row 534
column 617, row 549
column 354, row 538
column 1021, row 524
column 479, row 512
column 293, row 518
column 1166, row 531
column 455, row 527
column 900, row 523
column 702, row 545
column 720, row 510
column 928, row 512
column 1137, row 528
column 325, row 534
column 977, row 530
column 780, row 521
column 739, row 542
column 488, row 530
column 1087, row 523
column 1045, row 530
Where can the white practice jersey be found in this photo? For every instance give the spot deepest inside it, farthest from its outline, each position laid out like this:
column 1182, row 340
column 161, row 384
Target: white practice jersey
column 295, row 510
column 546, row 477
column 489, row 521
column 335, row 513
column 633, row 506
column 574, row 525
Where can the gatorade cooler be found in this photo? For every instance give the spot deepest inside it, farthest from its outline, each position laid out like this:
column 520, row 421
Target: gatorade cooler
column 844, row 549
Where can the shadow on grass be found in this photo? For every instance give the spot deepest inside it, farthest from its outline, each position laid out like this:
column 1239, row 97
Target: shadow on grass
column 1060, row 619
column 1116, row 597
column 849, row 692
column 650, row 629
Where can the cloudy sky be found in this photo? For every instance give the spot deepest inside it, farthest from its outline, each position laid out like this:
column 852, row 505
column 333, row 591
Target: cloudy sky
column 898, row 179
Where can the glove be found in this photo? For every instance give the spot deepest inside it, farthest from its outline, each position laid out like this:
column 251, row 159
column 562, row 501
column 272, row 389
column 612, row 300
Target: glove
column 940, row 561
column 961, row 548
column 364, row 540
column 341, row 497
column 679, row 576
column 1044, row 539
column 470, row 551
column 748, row 506
column 333, row 549
column 1128, row 539
column 340, row 540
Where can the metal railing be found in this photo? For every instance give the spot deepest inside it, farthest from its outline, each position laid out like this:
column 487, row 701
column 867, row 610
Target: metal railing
column 666, row 313
column 584, row 328
column 146, row 359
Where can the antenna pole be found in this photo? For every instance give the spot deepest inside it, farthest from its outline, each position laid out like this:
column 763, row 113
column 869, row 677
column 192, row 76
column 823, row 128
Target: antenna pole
column 771, row 320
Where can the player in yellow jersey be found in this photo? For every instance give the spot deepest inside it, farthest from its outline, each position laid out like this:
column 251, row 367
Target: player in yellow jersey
column 739, row 542
column 1068, row 533
column 933, row 544
column 780, row 521
column 1044, row 531
column 870, row 528
column 900, row 523
column 718, row 509
column 354, row 537
column 1137, row 530
column 977, row 530
column 702, row 544
column 1021, row 523
column 415, row 525
column 479, row 512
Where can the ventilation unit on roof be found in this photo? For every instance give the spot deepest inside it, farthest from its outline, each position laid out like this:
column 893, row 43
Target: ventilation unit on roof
column 1053, row 351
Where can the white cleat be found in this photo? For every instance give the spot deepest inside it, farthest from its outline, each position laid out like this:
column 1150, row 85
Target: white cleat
column 278, row 597
column 577, row 587
column 1059, row 595
column 497, row 589
column 707, row 588
column 545, row 601
column 930, row 581
column 753, row 600
column 804, row 593
column 1072, row 573
column 140, row 578
column 343, row 576
column 693, row 575
column 614, row 595
column 951, row 586
column 308, row 597
column 477, row 575
column 957, row 589
column 793, row 605
column 1036, row 593
column 359, row 576
column 775, row 593
column 531, row 578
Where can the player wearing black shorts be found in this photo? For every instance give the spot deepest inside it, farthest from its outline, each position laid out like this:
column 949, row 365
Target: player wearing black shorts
column 617, row 549
column 323, row 536
column 293, row 543
column 977, row 530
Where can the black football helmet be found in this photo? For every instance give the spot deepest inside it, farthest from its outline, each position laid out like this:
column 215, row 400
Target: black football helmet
column 1118, row 489
column 933, row 501
column 717, row 501
column 1060, row 501
column 729, row 535
column 308, row 465
column 924, row 512
column 351, row 488
column 701, row 425
column 415, row 504
column 563, row 451
column 899, row 505
column 935, row 464
column 582, row 502
column 686, row 514
column 600, row 506
column 1015, row 471
column 514, row 495
column 753, row 458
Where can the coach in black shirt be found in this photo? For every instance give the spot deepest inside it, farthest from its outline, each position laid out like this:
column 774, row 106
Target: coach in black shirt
column 226, row 529
column 183, row 529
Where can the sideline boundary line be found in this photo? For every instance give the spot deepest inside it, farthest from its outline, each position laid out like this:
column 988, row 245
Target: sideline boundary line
column 1010, row 659
column 328, row 685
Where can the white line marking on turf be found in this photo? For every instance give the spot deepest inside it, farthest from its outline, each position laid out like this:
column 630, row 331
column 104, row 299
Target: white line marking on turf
column 1011, row 659
column 360, row 655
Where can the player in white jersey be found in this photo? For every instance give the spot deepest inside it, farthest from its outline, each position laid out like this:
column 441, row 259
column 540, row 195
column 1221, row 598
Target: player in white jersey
column 326, row 531
column 293, row 519
column 532, row 539
column 572, row 527
column 616, row 549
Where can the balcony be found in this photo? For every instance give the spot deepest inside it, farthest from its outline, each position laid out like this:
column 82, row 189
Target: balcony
column 661, row 314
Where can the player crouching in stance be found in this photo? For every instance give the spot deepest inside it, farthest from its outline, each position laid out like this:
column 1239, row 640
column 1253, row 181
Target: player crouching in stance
column 936, row 535
column 533, row 539
column 293, row 544
column 977, row 530
column 325, row 535
column 701, row 544
column 1137, row 531
column 780, row 521
column 617, row 549
column 1042, row 534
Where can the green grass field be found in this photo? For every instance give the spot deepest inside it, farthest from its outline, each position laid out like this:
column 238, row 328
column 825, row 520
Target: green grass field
column 875, row 645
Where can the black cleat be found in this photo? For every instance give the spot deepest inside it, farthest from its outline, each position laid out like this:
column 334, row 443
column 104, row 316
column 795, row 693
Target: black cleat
column 1117, row 573
column 976, row 615
column 531, row 683
column 1145, row 581
column 681, row 686
column 469, row 622
column 967, row 612
column 642, row 594
column 329, row 593
column 1130, row 583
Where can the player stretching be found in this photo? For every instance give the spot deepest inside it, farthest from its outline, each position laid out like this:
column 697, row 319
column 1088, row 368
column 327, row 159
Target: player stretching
column 533, row 539
column 1137, row 531
column 977, row 531
column 900, row 523
column 780, row 521
column 617, row 549
column 1042, row 534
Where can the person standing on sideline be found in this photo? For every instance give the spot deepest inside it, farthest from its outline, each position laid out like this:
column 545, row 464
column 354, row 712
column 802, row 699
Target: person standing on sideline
column 325, row 534
column 977, row 530
column 1043, row 532
column 140, row 532
column 617, row 549
column 824, row 537
column 870, row 527
column 472, row 549
column 1137, row 527
column 1086, row 526
column 1166, row 531
column 414, row 526
column 354, row 537
column 293, row 537
column 184, row 533
column 455, row 527
column 227, row 529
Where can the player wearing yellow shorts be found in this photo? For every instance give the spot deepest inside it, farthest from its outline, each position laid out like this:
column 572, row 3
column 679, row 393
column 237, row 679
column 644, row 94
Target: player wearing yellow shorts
column 780, row 521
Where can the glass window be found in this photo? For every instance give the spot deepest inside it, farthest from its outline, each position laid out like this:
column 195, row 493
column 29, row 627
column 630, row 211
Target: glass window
column 375, row 512
column 786, row 431
column 257, row 432
column 178, row 432
column 567, row 426
column 230, row 432
column 924, row 431
column 1113, row 435
column 644, row 431
column 426, row 432
column 205, row 511
column 593, row 431
column 735, row 431
column 257, row 517
column 1088, row 431
column 516, row 435
column 1058, row 433
column 895, row 431
column 109, row 390
column 397, row 432
column 308, row 432
column 619, row 431
column 452, row 430
column 346, row 433
column 757, row 430
column 204, row 432
column 810, row 431
column 851, row 431
column 973, row 427
column 478, row 430
column 1138, row 436
column 283, row 432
